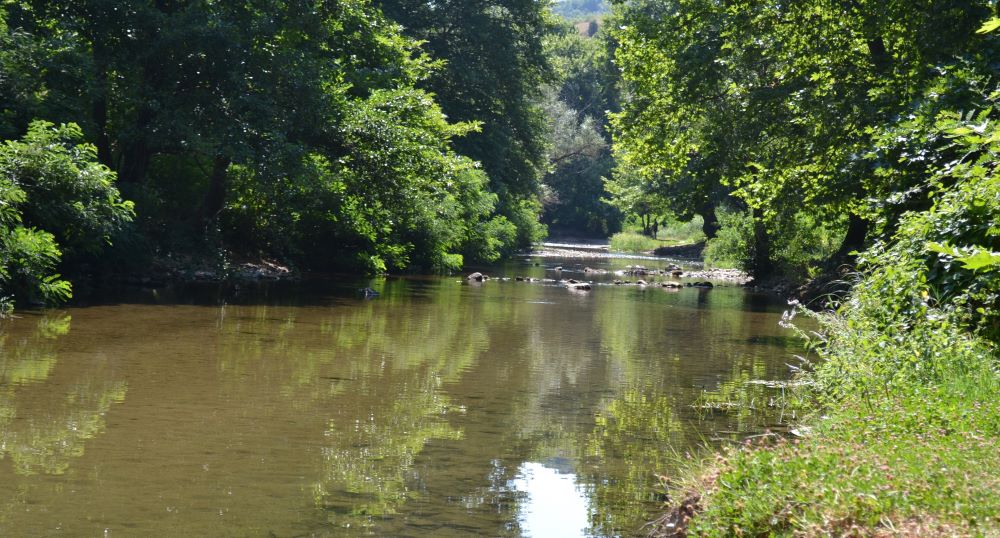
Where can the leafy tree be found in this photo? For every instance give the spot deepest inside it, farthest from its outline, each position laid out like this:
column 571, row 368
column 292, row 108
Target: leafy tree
column 579, row 156
column 56, row 199
column 269, row 128
column 779, row 104
column 494, row 69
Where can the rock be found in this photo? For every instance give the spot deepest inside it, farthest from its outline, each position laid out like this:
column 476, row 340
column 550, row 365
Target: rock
column 641, row 282
column 368, row 293
column 677, row 273
column 205, row 275
column 580, row 286
column 618, row 282
column 702, row 285
column 672, row 285
column 557, row 268
column 635, row 270
column 477, row 277
column 573, row 281
column 519, row 278
column 673, row 267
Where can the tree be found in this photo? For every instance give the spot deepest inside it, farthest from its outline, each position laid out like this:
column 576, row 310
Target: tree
column 777, row 103
column 494, row 69
column 579, row 156
column 56, row 199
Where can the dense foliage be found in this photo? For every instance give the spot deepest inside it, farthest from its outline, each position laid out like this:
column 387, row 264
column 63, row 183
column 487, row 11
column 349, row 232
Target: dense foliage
column 579, row 155
column 494, row 67
column 319, row 133
column 907, row 384
column 781, row 109
column 56, row 201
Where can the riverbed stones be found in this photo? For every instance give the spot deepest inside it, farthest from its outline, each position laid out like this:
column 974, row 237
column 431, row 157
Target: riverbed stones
column 477, row 277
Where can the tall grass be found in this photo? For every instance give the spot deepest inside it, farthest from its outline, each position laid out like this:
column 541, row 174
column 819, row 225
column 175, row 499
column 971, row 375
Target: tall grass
column 633, row 242
column 904, row 398
column 671, row 232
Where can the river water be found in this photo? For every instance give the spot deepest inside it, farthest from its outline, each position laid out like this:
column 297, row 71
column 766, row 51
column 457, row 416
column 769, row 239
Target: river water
column 438, row 408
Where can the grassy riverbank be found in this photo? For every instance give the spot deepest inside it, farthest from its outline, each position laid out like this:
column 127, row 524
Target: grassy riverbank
column 670, row 233
column 919, row 458
column 903, row 398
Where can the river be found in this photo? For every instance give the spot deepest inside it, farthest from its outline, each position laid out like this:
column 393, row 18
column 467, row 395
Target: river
column 437, row 408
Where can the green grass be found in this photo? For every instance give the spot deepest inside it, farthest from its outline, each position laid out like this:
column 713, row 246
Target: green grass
column 682, row 233
column 633, row 242
column 904, row 435
column 671, row 233
column 926, row 459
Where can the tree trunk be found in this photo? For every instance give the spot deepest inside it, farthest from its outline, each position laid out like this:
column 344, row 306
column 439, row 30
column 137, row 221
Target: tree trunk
column 854, row 240
column 711, row 221
column 99, row 111
column 879, row 54
column 215, row 197
column 136, row 155
column 135, row 161
column 762, row 266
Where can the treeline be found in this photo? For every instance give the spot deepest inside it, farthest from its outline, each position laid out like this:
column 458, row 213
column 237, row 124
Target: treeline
column 576, row 104
column 339, row 134
column 786, row 124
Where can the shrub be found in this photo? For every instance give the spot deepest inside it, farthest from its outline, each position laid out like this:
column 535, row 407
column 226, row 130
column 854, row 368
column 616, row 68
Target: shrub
column 633, row 242
column 54, row 196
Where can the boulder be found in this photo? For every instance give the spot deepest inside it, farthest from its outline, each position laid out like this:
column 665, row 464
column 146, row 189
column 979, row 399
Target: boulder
column 477, row 277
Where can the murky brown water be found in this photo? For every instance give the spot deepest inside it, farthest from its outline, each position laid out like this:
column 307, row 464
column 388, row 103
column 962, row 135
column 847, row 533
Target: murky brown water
column 436, row 409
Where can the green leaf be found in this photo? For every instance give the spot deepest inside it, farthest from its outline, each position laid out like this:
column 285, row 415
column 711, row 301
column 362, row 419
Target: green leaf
column 980, row 260
column 943, row 249
column 989, row 26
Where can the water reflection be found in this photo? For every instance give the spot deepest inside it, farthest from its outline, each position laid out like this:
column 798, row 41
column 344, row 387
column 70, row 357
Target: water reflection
column 437, row 409
column 554, row 506
column 48, row 413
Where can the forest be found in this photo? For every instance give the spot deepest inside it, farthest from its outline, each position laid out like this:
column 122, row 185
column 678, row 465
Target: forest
column 846, row 148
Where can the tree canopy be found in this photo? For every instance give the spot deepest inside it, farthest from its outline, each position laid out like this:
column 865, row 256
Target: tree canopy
column 782, row 108
column 322, row 133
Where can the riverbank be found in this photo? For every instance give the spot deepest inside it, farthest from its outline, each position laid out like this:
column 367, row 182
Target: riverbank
column 901, row 399
column 917, row 462
column 187, row 269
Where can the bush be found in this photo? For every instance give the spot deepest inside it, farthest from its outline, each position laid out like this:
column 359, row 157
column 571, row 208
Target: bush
column 633, row 242
column 907, row 382
column 800, row 242
column 67, row 192
column 50, row 180
column 730, row 248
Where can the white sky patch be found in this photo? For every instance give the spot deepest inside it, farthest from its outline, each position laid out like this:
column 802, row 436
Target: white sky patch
column 555, row 507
